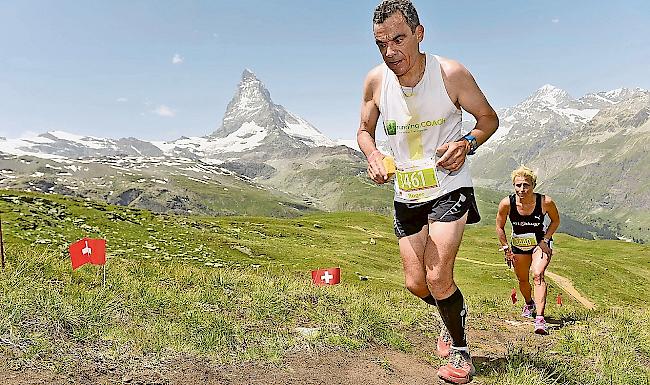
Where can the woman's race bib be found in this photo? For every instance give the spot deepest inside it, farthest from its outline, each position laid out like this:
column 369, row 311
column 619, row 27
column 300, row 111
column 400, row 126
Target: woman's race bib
column 524, row 242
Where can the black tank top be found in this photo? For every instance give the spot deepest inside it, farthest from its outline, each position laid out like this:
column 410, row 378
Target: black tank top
column 525, row 224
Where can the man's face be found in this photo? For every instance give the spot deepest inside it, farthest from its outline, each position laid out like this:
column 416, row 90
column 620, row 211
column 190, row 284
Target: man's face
column 523, row 186
column 399, row 46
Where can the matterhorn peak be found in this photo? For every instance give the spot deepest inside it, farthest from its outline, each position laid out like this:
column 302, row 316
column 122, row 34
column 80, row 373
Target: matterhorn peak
column 253, row 119
column 248, row 74
column 251, row 102
column 250, row 93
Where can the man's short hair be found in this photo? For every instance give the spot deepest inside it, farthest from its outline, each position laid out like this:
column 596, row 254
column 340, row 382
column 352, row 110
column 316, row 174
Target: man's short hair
column 389, row 7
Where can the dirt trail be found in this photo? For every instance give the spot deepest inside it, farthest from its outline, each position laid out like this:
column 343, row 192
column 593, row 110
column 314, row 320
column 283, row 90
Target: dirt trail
column 567, row 286
column 367, row 367
column 479, row 262
column 563, row 282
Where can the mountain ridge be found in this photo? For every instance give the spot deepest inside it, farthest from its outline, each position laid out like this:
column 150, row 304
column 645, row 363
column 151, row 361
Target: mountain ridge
column 266, row 146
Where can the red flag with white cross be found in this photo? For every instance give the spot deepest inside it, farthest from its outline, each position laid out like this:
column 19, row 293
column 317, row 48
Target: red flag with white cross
column 324, row 277
column 88, row 250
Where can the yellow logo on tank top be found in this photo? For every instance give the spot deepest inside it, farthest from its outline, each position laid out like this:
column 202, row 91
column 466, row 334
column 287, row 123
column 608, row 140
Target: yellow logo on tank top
column 391, row 127
column 412, row 130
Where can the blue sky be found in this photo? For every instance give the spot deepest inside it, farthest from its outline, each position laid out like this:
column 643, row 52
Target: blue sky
column 164, row 69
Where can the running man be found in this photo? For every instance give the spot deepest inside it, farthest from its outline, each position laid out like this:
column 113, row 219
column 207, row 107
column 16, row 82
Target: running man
column 531, row 243
column 420, row 97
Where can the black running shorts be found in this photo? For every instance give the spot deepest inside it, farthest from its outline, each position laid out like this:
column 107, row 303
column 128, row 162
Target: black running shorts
column 411, row 217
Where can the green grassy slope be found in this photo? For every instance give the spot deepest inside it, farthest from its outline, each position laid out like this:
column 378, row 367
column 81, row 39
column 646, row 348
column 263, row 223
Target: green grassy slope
column 237, row 288
column 179, row 186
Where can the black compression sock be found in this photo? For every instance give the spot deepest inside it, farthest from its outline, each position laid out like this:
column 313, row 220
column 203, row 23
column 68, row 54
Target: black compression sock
column 453, row 313
column 430, row 300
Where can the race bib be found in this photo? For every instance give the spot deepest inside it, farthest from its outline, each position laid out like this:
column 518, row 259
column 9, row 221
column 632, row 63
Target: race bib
column 524, row 242
column 417, row 182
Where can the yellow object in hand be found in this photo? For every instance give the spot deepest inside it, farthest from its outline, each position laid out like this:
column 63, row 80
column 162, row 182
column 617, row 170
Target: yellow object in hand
column 389, row 165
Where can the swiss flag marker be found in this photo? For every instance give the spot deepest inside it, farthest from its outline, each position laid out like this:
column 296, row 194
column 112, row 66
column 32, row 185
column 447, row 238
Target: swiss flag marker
column 513, row 295
column 87, row 250
column 325, row 277
column 559, row 299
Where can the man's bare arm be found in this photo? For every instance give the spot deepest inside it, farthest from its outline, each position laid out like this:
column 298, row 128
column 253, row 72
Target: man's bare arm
column 470, row 97
column 367, row 127
column 466, row 94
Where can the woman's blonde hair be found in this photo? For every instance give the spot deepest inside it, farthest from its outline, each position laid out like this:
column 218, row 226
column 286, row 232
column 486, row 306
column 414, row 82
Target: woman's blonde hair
column 526, row 173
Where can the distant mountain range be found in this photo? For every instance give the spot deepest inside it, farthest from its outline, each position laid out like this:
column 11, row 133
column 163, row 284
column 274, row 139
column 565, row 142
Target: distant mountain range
column 251, row 120
column 550, row 115
column 589, row 152
column 262, row 160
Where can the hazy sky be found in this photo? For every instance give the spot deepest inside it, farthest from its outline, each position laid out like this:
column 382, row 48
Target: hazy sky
column 163, row 69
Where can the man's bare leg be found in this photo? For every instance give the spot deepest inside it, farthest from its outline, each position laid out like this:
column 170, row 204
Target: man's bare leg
column 439, row 257
column 411, row 250
column 412, row 253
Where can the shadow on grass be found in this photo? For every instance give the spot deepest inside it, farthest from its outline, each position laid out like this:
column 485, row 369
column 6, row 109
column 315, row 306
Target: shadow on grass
column 519, row 363
column 560, row 322
column 486, row 365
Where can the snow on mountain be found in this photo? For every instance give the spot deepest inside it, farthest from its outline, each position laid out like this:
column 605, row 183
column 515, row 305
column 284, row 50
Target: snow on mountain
column 352, row 143
column 308, row 134
column 382, row 145
column 87, row 141
column 23, row 146
column 546, row 96
column 252, row 104
column 247, row 137
column 251, row 121
column 60, row 144
column 605, row 99
column 254, row 124
column 549, row 112
column 549, row 97
column 578, row 115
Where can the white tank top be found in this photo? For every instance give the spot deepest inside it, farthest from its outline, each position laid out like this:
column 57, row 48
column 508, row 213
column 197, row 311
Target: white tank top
column 417, row 121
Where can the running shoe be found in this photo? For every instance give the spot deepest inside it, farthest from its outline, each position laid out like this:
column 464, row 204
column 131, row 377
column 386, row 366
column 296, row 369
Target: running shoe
column 459, row 369
column 528, row 311
column 540, row 325
column 444, row 343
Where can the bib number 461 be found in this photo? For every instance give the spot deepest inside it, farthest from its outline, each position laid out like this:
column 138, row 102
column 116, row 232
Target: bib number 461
column 416, row 180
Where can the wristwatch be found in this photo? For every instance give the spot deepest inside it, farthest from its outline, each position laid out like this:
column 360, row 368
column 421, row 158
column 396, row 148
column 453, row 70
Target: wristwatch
column 473, row 144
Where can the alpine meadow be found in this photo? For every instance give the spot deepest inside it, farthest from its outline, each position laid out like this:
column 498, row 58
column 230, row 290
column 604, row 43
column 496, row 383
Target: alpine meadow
column 207, row 274
column 177, row 208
